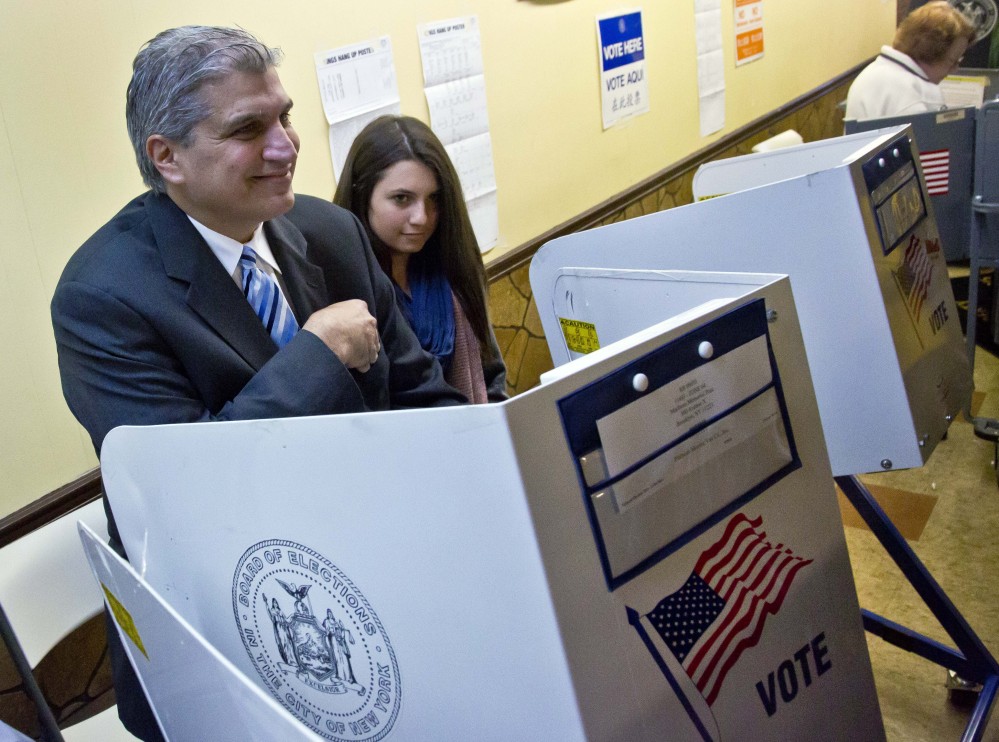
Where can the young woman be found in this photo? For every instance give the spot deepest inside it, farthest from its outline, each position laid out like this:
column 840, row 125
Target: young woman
column 401, row 184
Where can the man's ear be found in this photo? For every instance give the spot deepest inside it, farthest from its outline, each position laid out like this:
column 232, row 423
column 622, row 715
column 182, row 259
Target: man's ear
column 163, row 153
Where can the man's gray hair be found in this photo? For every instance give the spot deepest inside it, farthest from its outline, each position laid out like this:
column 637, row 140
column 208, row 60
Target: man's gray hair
column 167, row 75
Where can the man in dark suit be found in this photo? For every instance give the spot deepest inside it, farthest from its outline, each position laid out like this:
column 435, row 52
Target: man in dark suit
column 152, row 316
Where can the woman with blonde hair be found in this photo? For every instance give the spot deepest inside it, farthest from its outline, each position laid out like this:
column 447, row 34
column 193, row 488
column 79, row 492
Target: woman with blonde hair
column 401, row 184
column 905, row 77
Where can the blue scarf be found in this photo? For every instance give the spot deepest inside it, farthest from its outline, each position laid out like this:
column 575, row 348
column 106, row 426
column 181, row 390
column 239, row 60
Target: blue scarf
column 429, row 310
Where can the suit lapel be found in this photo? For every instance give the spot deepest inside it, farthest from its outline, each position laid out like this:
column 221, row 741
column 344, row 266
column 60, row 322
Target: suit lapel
column 303, row 280
column 212, row 294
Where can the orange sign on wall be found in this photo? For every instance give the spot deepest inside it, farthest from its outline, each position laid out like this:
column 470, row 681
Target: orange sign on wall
column 748, row 30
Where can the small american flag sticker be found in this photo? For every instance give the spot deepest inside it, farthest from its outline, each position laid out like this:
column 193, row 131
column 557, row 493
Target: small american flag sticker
column 914, row 275
column 936, row 170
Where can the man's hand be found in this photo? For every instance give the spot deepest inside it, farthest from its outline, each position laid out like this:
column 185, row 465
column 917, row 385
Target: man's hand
column 349, row 330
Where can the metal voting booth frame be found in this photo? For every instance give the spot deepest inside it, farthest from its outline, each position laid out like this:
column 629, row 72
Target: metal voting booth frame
column 946, row 144
column 967, row 141
column 984, row 245
column 972, row 660
column 663, row 233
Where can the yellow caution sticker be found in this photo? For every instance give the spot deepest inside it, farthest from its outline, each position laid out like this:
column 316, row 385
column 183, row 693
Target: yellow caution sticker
column 124, row 619
column 580, row 337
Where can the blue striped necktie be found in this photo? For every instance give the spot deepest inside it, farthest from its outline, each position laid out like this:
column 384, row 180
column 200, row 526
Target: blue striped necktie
column 261, row 290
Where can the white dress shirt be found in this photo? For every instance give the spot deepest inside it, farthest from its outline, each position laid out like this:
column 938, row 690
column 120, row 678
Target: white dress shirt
column 228, row 251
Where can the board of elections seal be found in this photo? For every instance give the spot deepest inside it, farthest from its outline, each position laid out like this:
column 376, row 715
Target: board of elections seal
column 981, row 13
column 316, row 641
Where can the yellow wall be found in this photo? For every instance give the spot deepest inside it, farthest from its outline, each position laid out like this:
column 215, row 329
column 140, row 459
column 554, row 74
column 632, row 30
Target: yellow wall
column 66, row 164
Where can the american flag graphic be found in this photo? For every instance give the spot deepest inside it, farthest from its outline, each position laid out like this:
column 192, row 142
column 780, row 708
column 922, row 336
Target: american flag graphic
column 936, row 170
column 914, row 275
column 720, row 611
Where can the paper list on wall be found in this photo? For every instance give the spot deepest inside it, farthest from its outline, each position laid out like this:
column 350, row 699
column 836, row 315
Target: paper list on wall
column 473, row 159
column 455, row 87
column 357, row 84
column 458, row 108
column 710, row 65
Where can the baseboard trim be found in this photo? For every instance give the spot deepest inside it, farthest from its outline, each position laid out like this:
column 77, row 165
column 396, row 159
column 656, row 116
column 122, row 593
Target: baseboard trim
column 47, row 508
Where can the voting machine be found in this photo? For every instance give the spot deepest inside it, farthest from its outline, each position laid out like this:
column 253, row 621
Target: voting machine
column 946, row 148
column 645, row 547
column 847, row 219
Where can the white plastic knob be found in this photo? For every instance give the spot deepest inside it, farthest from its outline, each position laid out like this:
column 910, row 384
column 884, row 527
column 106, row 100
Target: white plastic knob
column 705, row 350
column 640, row 382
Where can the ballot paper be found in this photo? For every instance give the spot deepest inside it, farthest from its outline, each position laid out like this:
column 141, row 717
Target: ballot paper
column 722, row 416
column 960, row 90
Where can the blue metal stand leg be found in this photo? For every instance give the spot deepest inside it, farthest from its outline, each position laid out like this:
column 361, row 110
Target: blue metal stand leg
column 972, row 660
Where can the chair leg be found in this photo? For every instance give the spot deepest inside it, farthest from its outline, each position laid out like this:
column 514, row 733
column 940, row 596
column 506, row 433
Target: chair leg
column 50, row 728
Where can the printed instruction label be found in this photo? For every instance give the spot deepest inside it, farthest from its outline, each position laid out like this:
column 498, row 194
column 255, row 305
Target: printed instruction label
column 580, row 337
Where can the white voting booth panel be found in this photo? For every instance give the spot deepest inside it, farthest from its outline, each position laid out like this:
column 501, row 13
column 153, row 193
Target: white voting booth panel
column 846, row 219
column 732, row 174
column 195, row 692
column 490, row 570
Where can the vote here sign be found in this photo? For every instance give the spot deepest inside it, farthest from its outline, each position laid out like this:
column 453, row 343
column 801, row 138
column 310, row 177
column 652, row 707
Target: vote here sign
column 624, row 88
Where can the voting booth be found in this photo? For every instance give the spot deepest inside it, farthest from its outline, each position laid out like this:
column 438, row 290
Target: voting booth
column 848, row 220
column 951, row 144
column 985, row 219
column 645, row 547
column 946, row 148
column 958, row 151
